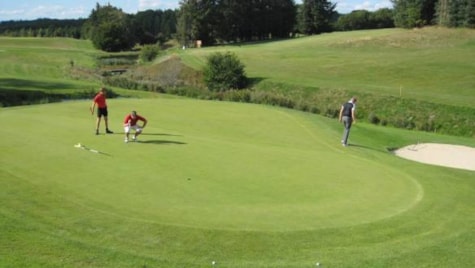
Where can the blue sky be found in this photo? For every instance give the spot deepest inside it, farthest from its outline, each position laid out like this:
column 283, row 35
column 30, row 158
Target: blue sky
column 74, row 9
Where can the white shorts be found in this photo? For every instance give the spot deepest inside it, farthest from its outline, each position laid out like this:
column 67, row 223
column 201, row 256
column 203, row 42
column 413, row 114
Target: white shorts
column 136, row 128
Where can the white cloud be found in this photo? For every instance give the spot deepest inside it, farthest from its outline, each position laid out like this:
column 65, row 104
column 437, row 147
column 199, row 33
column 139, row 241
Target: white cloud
column 158, row 4
column 372, row 6
column 149, row 4
column 11, row 13
column 56, row 11
column 44, row 11
column 350, row 5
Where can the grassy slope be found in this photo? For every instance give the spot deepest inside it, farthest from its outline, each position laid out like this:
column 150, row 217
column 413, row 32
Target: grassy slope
column 44, row 65
column 425, row 64
column 64, row 207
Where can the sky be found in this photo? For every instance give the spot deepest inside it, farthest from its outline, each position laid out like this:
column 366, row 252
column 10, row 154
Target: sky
column 75, row 9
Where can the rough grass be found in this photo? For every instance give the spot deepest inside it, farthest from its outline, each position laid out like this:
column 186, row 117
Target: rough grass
column 424, row 64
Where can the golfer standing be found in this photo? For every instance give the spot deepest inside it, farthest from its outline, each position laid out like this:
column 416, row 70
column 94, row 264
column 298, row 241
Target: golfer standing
column 347, row 116
column 100, row 100
column 130, row 122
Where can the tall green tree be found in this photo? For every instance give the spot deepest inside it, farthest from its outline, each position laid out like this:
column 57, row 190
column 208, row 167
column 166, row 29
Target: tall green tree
column 197, row 19
column 413, row 13
column 442, row 12
column 256, row 19
column 470, row 13
column 214, row 21
column 316, row 16
column 109, row 29
column 407, row 13
column 382, row 18
column 43, row 27
column 355, row 20
column 456, row 13
column 363, row 19
column 152, row 26
column 428, row 11
column 281, row 18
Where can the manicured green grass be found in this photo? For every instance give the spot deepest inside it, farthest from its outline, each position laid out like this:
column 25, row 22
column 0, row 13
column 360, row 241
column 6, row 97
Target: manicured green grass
column 429, row 64
column 243, row 185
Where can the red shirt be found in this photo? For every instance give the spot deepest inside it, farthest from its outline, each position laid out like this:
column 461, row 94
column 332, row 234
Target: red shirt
column 133, row 121
column 100, row 99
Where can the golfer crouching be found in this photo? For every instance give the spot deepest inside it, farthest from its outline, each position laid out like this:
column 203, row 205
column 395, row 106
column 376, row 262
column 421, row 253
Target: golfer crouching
column 130, row 122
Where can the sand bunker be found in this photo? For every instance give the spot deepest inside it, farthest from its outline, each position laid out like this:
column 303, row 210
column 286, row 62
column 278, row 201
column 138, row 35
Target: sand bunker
column 447, row 155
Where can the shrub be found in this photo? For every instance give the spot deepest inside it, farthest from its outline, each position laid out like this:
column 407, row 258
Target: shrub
column 373, row 118
column 224, row 71
column 149, row 53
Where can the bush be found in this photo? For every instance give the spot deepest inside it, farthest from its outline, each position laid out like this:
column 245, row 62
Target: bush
column 223, row 72
column 149, row 53
column 373, row 118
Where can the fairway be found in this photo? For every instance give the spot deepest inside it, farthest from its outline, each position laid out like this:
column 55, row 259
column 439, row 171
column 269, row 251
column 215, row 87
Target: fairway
column 207, row 165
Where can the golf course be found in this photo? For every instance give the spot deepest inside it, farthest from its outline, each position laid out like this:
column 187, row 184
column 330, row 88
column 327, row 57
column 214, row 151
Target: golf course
column 229, row 184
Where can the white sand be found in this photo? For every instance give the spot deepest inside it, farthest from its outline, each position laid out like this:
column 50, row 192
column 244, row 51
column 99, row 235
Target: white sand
column 455, row 156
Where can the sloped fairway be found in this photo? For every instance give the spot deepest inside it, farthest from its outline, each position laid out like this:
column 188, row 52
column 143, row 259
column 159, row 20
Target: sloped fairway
column 244, row 185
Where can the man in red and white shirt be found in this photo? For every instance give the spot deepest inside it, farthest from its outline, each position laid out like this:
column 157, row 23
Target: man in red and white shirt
column 130, row 122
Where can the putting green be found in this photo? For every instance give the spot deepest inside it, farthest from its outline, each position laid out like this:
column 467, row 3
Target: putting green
column 206, row 165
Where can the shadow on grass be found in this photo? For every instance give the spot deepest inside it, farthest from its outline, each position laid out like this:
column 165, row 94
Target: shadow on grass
column 14, row 92
column 159, row 134
column 142, row 134
column 253, row 81
column 106, row 154
column 33, row 85
column 161, row 142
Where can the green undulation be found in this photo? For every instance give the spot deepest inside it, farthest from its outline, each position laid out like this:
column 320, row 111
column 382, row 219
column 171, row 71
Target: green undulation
column 239, row 184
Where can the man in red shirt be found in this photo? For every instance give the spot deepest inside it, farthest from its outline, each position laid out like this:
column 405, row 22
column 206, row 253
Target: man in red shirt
column 130, row 122
column 100, row 100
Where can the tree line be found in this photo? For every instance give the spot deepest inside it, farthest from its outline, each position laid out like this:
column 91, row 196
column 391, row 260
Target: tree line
column 449, row 13
column 42, row 28
column 108, row 27
column 229, row 21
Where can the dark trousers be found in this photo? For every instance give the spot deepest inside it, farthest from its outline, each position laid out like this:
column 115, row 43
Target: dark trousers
column 347, row 120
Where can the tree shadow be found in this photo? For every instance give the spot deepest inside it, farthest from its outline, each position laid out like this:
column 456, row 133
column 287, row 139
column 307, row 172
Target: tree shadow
column 15, row 92
column 33, row 85
column 253, row 81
